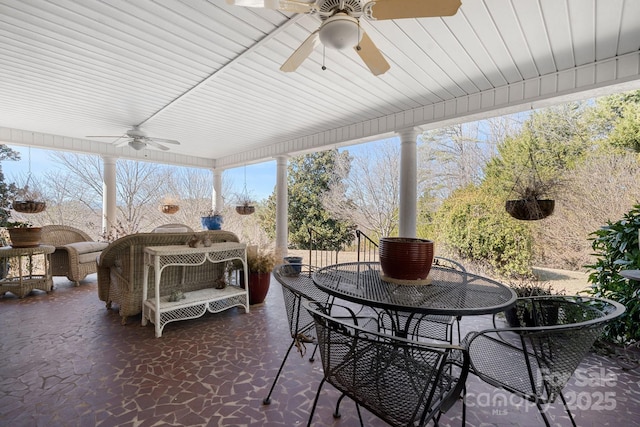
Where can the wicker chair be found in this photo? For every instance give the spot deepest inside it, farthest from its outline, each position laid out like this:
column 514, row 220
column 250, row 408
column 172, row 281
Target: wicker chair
column 429, row 326
column 536, row 360
column 403, row 382
column 76, row 253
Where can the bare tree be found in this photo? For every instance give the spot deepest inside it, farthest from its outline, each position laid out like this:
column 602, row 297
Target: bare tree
column 371, row 184
column 454, row 156
column 602, row 189
column 137, row 187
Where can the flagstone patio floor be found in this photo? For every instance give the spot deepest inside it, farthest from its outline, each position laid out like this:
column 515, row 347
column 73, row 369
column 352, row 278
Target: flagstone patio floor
column 67, row 361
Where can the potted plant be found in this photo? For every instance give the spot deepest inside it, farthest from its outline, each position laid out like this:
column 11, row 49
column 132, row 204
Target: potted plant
column 211, row 220
column 245, row 205
column 533, row 191
column 260, row 265
column 169, row 206
column 22, row 234
column 531, row 203
column 521, row 314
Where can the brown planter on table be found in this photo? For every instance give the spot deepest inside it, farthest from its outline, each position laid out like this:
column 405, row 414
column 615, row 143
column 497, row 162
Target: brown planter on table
column 404, row 258
column 25, row 237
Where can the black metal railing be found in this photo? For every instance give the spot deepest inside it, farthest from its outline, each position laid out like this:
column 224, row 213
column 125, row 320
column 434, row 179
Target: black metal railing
column 367, row 248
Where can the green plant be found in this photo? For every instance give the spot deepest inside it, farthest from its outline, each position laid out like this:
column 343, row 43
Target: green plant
column 473, row 225
column 211, row 212
column 532, row 288
column 615, row 247
column 261, row 262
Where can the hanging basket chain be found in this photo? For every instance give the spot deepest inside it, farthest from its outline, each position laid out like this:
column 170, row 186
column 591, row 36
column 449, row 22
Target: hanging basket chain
column 244, row 206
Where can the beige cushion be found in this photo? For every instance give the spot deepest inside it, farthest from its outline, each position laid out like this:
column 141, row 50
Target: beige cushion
column 87, row 247
column 170, row 230
column 89, row 257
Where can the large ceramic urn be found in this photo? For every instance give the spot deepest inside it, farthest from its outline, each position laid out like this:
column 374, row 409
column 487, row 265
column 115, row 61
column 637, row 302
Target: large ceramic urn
column 405, row 258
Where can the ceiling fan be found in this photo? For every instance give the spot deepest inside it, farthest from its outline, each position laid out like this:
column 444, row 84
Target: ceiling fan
column 340, row 27
column 137, row 139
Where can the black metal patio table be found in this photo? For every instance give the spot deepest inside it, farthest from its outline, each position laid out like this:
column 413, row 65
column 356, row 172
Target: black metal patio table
column 450, row 292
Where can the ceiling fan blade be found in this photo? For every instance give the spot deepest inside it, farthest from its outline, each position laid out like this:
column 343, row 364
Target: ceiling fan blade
column 103, row 136
column 120, row 141
column 372, row 56
column 296, row 6
column 269, row 4
column 301, row 53
column 165, row 141
column 284, row 5
column 156, row 145
column 398, row 9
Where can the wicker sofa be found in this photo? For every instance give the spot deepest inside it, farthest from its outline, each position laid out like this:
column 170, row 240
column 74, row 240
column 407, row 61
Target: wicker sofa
column 76, row 253
column 121, row 269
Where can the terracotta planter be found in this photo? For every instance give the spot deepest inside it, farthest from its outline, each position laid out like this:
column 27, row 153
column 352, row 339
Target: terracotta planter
column 530, row 210
column 404, row 258
column 258, row 286
column 25, row 237
column 169, row 209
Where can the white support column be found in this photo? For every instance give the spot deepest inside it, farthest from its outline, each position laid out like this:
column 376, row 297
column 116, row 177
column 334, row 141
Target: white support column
column 216, row 197
column 109, row 214
column 408, row 182
column 282, row 208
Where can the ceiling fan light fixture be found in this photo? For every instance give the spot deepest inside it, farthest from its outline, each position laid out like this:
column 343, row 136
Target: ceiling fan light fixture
column 137, row 144
column 340, row 31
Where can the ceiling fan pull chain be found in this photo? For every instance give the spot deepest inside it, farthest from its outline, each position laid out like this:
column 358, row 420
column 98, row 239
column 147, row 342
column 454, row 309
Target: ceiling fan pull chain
column 324, row 51
column 358, row 47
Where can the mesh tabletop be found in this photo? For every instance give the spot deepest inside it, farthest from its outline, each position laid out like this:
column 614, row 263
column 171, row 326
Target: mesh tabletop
column 301, row 284
column 449, row 292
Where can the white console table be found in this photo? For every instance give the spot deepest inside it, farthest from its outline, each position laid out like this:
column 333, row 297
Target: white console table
column 160, row 311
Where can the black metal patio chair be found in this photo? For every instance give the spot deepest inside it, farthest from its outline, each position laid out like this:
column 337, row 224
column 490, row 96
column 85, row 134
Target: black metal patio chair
column 536, row 359
column 403, row 382
column 297, row 286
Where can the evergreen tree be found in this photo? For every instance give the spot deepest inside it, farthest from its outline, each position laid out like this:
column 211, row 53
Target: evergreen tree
column 7, row 190
column 310, row 177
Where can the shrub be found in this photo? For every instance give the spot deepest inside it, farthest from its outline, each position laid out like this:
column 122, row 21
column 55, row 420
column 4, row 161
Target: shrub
column 615, row 247
column 474, row 224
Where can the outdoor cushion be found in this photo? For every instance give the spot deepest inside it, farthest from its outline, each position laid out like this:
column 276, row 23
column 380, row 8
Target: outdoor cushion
column 171, row 230
column 87, row 247
column 89, row 257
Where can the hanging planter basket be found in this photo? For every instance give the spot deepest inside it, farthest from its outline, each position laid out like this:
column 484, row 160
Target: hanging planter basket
column 28, row 206
column 169, row 209
column 245, row 209
column 530, row 209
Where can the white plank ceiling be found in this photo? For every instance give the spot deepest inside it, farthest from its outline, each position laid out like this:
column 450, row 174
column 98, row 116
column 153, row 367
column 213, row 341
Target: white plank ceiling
column 207, row 74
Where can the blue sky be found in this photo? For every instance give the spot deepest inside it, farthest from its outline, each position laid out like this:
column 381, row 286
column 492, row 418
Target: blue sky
column 261, row 177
